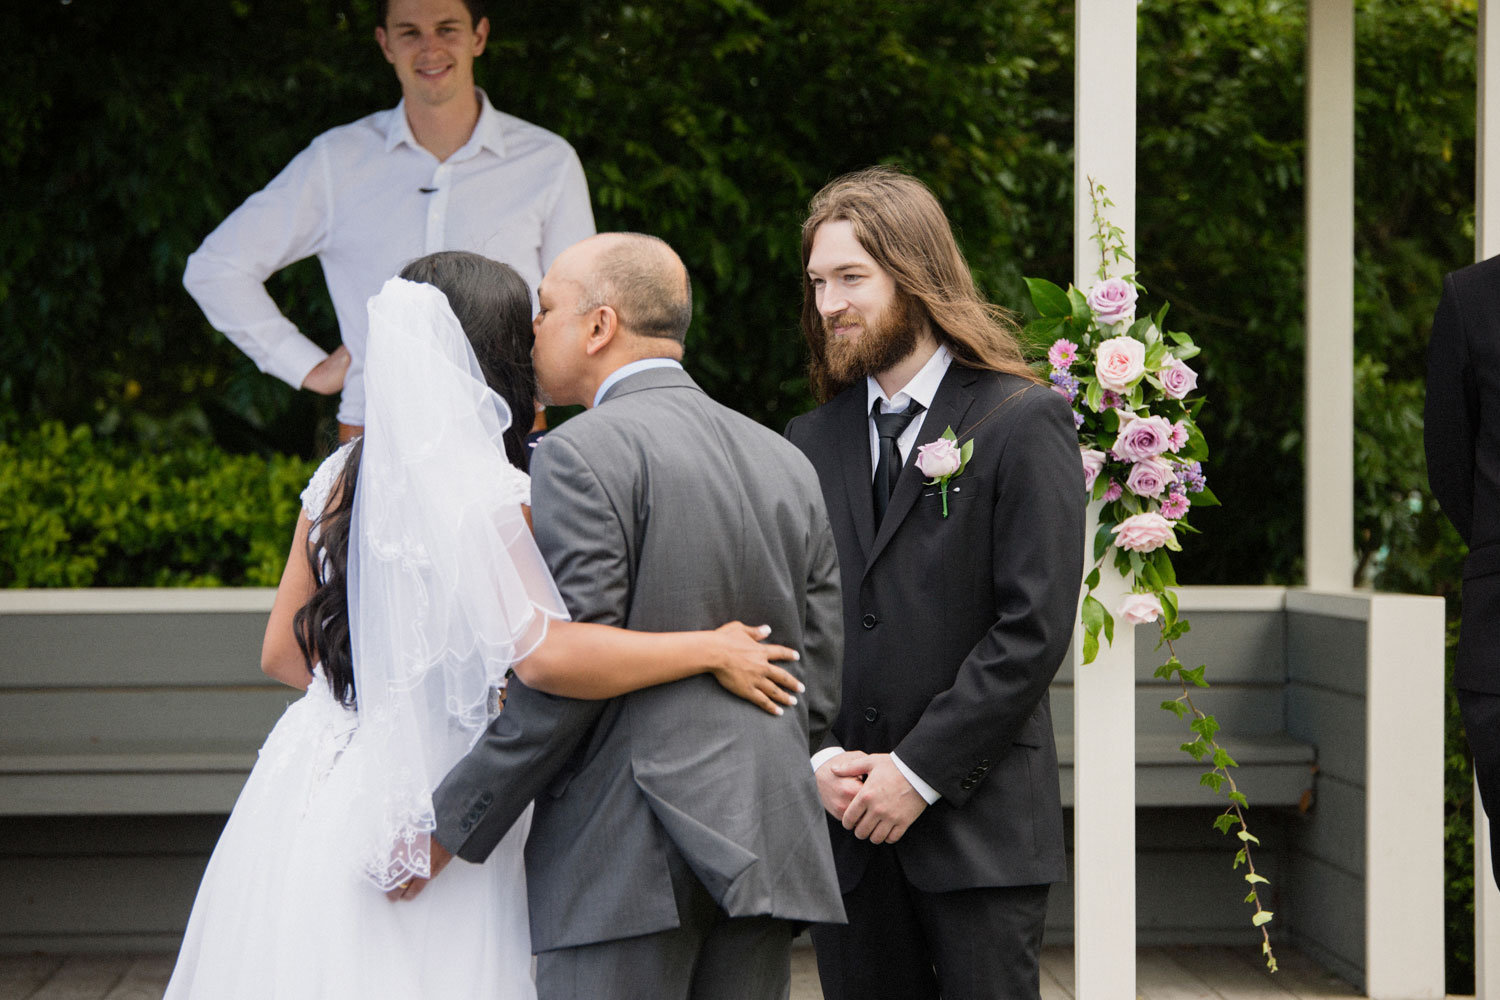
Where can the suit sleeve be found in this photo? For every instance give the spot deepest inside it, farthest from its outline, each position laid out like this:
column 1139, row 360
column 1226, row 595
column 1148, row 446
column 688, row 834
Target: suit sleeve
column 534, row 738
column 823, row 629
column 1037, row 570
column 1451, row 416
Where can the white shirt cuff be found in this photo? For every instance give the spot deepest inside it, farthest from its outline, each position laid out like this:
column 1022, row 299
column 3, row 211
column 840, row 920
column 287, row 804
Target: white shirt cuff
column 824, row 756
column 928, row 793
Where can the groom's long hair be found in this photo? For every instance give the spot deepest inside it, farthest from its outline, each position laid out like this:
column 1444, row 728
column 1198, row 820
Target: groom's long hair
column 493, row 305
column 900, row 224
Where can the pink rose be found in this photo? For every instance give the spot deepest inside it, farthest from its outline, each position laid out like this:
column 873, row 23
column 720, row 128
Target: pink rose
column 1120, row 363
column 1093, row 463
column 1143, row 533
column 1142, row 437
column 1113, row 301
column 1139, row 609
column 1062, row 354
column 939, row 458
column 1177, row 379
column 1149, row 477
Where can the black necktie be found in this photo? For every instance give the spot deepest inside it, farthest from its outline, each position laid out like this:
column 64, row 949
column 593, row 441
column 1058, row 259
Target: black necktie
column 888, row 427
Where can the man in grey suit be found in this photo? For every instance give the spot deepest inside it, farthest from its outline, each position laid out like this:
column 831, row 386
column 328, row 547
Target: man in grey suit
column 677, row 834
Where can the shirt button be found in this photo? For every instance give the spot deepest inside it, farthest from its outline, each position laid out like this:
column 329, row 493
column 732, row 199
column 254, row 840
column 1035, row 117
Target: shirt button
column 870, row 714
column 870, row 621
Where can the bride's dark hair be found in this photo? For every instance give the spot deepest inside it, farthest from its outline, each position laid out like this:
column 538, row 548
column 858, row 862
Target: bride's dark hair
column 493, row 305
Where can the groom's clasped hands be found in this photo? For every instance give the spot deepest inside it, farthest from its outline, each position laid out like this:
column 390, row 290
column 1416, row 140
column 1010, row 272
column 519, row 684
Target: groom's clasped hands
column 869, row 795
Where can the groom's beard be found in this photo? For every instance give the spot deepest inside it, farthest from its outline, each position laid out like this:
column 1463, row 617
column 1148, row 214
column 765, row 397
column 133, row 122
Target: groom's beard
column 888, row 338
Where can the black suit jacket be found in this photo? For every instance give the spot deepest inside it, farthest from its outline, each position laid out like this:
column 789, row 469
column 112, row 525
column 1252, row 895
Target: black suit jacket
column 954, row 627
column 1462, row 436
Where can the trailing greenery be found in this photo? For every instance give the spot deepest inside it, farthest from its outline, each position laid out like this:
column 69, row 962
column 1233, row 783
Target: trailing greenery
column 80, row 511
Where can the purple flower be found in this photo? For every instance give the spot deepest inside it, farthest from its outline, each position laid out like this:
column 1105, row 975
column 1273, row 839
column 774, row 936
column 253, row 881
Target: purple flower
column 1077, row 420
column 1175, row 506
column 1142, row 437
column 1062, row 354
column 1112, row 300
column 1065, row 385
column 1177, row 379
column 1149, row 477
column 1192, row 477
column 1113, row 492
column 1110, row 401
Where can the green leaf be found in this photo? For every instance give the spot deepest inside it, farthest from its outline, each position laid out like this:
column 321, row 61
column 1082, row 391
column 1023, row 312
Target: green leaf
column 1196, row 749
column 1206, row 726
column 1103, row 538
column 1241, row 857
column 1090, row 646
column 1177, row 708
column 1092, row 580
column 1050, row 300
column 1255, row 879
column 1222, row 758
column 948, row 434
column 1109, row 628
column 1238, row 798
column 1223, row 823
column 1211, row 779
column 1079, row 308
column 1261, row 918
column 1094, row 396
column 1252, row 896
column 1204, row 498
column 1248, row 838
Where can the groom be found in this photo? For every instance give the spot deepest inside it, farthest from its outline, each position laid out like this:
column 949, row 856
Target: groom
column 940, row 774
column 677, row 831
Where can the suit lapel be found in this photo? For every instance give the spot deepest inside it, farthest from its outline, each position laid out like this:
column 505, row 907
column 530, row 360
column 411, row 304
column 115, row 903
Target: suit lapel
column 949, row 405
column 853, row 429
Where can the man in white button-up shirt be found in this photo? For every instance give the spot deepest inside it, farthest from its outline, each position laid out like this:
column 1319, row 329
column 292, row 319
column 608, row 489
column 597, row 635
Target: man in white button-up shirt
column 443, row 170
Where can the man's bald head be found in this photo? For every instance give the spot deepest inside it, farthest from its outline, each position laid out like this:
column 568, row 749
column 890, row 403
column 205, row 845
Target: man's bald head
column 641, row 278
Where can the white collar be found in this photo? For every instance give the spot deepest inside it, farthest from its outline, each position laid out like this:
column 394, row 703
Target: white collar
column 489, row 130
column 625, row 371
column 922, row 387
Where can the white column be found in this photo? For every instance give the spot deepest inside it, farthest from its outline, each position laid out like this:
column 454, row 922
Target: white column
column 1328, row 501
column 1404, row 806
column 1104, row 691
column 1486, row 245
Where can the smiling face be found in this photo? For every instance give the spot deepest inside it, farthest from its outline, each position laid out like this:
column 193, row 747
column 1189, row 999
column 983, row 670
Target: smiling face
column 433, row 45
column 869, row 324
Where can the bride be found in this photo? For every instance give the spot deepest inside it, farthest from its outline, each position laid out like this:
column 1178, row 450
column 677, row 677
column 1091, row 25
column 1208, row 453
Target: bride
column 412, row 589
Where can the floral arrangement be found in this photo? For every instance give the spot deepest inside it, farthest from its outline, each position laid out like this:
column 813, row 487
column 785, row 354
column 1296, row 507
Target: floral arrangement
column 1135, row 405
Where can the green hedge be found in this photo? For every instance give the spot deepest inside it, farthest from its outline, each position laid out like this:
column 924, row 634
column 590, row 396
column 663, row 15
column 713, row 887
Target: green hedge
column 80, row 511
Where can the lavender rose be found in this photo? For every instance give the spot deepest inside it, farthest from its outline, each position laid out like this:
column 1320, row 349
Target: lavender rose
column 1120, row 363
column 939, row 458
column 1113, row 301
column 1149, row 477
column 1144, row 533
column 1139, row 609
column 1142, row 437
column 1177, row 379
column 1093, row 463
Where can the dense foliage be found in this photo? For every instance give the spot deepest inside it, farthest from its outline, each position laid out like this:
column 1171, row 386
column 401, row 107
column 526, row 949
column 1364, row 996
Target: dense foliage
column 711, row 122
column 80, row 511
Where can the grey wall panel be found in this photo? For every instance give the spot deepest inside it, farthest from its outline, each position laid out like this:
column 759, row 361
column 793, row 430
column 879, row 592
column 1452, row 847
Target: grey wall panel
column 169, row 718
column 81, row 650
column 1322, row 907
column 1238, row 707
column 1335, row 722
column 1329, row 652
column 1333, row 830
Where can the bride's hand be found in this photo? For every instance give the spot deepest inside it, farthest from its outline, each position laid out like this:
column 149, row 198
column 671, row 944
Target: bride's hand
column 747, row 667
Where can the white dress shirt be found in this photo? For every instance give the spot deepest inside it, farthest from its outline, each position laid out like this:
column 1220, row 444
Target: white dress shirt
column 367, row 199
column 922, row 388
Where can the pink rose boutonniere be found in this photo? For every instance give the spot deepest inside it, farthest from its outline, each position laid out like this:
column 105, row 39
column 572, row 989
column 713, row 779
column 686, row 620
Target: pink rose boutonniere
column 943, row 459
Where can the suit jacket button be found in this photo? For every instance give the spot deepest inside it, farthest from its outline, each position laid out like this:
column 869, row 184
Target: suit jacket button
column 966, row 784
column 869, row 621
column 486, row 798
column 870, row 714
column 466, row 826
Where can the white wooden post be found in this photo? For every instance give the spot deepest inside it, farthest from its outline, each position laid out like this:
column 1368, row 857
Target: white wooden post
column 1486, row 245
column 1404, row 806
column 1328, row 541
column 1104, row 691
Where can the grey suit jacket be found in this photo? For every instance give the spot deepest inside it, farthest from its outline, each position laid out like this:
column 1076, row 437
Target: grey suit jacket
column 661, row 510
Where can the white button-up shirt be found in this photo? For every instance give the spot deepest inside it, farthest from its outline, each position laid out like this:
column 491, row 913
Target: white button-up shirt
column 922, row 388
column 367, row 199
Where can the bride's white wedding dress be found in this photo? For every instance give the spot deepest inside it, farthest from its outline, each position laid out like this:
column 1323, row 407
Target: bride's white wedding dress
column 338, row 804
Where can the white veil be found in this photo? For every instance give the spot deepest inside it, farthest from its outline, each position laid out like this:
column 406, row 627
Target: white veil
column 446, row 587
